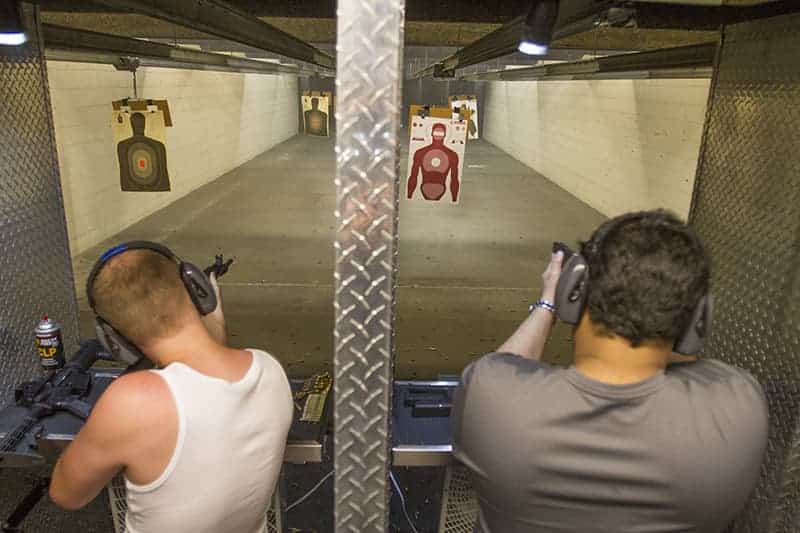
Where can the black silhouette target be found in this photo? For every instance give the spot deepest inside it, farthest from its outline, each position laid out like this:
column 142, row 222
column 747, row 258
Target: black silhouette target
column 142, row 160
column 316, row 120
column 143, row 163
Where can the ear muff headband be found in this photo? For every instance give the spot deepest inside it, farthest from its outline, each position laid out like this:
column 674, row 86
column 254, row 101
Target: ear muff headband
column 118, row 249
column 196, row 282
column 573, row 289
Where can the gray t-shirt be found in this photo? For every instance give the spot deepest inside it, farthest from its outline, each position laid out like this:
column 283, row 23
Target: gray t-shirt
column 551, row 450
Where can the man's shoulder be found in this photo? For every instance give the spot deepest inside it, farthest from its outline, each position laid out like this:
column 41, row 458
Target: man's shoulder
column 133, row 402
column 268, row 361
column 506, row 367
column 275, row 376
column 710, row 372
column 507, row 360
column 140, row 387
column 719, row 386
column 490, row 384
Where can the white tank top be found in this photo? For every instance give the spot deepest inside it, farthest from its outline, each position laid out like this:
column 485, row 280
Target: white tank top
column 231, row 440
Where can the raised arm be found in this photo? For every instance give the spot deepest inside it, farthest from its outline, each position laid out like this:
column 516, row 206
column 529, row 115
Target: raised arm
column 531, row 336
column 215, row 321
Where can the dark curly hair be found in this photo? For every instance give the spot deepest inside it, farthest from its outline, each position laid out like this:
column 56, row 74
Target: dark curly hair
column 647, row 273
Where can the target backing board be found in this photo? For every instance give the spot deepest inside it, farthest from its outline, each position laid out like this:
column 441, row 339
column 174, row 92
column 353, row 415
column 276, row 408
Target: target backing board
column 436, row 160
column 316, row 115
column 458, row 103
column 417, row 110
column 139, row 130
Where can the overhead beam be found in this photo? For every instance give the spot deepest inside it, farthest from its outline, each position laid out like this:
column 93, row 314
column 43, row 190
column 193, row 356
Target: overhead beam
column 123, row 62
column 219, row 18
column 681, row 62
column 573, row 17
column 632, row 39
column 69, row 44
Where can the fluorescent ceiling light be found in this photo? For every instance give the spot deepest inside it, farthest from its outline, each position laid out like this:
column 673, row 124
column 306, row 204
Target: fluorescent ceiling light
column 533, row 49
column 12, row 32
column 537, row 31
column 13, row 39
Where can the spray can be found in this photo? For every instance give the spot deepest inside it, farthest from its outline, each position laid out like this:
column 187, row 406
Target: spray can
column 49, row 344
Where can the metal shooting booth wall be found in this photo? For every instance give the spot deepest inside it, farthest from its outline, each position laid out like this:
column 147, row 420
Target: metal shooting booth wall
column 746, row 208
column 35, row 265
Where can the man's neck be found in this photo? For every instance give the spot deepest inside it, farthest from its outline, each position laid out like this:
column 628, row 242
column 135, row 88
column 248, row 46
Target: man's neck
column 611, row 359
column 191, row 345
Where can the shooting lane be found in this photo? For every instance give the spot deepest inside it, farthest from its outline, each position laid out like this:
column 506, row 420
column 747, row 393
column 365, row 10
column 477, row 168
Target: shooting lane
column 611, row 135
column 554, row 159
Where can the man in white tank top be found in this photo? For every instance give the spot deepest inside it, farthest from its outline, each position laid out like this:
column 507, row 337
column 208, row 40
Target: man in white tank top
column 200, row 441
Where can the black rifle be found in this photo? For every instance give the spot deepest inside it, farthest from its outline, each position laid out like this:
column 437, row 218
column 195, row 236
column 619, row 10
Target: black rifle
column 220, row 266
column 62, row 390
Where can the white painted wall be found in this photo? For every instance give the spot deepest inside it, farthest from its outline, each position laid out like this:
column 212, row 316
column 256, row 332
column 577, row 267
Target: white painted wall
column 221, row 120
column 618, row 145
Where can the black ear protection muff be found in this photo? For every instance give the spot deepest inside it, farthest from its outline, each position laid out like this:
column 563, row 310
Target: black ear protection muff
column 196, row 282
column 572, row 292
column 692, row 340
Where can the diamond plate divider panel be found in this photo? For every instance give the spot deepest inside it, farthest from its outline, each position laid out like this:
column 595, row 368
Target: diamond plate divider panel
column 35, row 266
column 368, row 80
column 746, row 208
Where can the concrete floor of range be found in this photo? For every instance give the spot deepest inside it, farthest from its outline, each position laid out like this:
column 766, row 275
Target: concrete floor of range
column 466, row 272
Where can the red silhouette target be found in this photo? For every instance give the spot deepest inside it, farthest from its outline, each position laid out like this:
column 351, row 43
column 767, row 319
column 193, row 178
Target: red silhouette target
column 436, row 159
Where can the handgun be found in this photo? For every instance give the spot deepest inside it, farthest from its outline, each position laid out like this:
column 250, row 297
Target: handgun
column 566, row 250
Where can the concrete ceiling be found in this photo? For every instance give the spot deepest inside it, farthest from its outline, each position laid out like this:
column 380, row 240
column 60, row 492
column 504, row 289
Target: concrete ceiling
column 430, row 22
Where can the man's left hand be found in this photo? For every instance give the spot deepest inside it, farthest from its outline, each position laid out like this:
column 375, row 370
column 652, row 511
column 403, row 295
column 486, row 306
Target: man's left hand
column 551, row 275
column 215, row 320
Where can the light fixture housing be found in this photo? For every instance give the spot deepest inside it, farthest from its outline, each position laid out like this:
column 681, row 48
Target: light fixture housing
column 537, row 32
column 12, row 31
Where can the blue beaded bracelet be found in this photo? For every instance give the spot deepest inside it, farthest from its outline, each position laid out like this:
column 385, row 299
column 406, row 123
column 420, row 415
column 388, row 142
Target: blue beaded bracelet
column 543, row 304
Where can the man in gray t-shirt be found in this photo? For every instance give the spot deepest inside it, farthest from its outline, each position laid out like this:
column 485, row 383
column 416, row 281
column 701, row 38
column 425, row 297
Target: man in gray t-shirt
column 632, row 437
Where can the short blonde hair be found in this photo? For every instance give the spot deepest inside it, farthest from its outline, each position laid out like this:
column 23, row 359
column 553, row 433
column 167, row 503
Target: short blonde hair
column 140, row 293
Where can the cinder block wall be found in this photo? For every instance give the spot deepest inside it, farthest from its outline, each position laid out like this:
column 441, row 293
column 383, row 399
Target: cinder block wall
column 617, row 145
column 221, row 120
